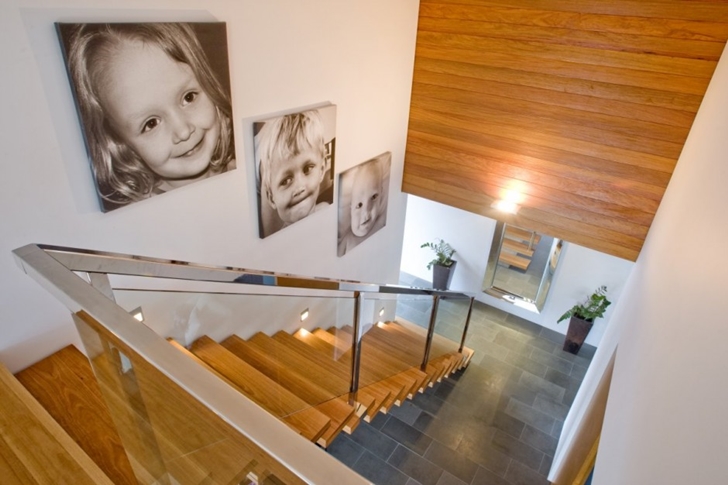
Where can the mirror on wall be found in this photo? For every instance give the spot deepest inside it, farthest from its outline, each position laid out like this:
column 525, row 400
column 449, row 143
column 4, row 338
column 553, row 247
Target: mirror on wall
column 521, row 266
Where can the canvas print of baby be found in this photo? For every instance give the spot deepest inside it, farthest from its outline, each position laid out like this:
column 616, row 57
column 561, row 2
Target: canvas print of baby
column 294, row 157
column 154, row 104
column 363, row 197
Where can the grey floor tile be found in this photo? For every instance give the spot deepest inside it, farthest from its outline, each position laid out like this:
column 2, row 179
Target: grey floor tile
column 569, row 397
column 512, row 342
column 486, row 477
column 413, row 465
column 444, row 431
column 552, row 335
column 523, row 326
column 379, row 420
column 407, row 412
column 508, row 424
column 524, row 362
column 539, row 440
column 542, row 386
column 530, row 416
column 412, row 481
column 563, row 380
column 373, row 440
column 543, row 344
column 378, row 471
column 578, row 372
column 556, row 430
column 451, row 461
column 405, row 434
column 551, row 360
column 546, row 465
column 477, row 448
column 522, row 475
column 552, row 408
column 517, row 450
column 449, row 479
column 345, row 450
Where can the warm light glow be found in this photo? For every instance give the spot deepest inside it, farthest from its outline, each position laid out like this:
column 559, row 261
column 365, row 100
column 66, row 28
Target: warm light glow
column 381, row 324
column 304, row 332
column 506, row 206
column 137, row 313
column 304, row 314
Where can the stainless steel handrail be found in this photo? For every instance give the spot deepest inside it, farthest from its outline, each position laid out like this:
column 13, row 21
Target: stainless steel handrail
column 92, row 261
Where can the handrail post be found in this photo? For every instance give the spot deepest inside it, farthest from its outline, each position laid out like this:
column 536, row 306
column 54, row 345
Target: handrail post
column 467, row 324
column 430, row 331
column 355, row 349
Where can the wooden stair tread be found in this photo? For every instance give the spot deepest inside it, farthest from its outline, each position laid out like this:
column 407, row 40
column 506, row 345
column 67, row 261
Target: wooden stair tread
column 287, row 376
column 511, row 259
column 64, row 383
column 330, row 377
column 375, row 364
column 440, row 345
column 394, row 339
column 310, row 352
column 262, row 390
column 519, row 247
column 518, row 234
column 333, row 378
column 34, row 448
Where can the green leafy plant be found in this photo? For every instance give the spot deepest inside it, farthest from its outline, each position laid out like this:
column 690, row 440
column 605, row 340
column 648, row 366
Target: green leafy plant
column 443, row 252
column 591, row 309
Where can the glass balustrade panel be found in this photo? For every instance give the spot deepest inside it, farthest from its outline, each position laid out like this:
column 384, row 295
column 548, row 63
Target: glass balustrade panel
column 279, row 349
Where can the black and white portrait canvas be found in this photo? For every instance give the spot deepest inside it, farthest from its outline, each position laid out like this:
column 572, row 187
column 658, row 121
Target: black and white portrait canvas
column 154, row 104
column 363, row 197
column 294, row 158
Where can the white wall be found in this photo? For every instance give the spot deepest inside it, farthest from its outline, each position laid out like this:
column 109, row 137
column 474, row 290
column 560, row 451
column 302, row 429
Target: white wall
column 579, row 273
column 284, row 54
column 665, row 420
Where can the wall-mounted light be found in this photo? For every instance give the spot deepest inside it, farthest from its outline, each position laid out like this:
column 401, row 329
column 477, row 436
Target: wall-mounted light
column 137, row 313
column 381, row 311
column 304, row 314
column 506, row 206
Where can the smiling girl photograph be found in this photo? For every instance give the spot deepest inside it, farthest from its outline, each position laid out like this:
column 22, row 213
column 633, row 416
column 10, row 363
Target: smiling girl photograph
column 154, row 103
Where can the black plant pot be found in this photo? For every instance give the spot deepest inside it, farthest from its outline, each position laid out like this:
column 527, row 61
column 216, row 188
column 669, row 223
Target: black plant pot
column 575, row 336
column 442, row 276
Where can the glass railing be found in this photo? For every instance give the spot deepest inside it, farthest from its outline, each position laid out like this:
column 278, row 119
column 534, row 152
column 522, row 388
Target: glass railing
column 232, row 374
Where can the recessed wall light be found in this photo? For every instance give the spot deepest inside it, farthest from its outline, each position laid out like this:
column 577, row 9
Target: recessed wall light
column 137, row 313
column 304, row 314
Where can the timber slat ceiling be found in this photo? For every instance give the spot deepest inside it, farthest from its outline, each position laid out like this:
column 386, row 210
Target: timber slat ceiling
column 580, row 108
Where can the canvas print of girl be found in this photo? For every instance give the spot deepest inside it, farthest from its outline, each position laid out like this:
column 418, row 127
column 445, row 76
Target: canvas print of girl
column 363, row 198
column 154, row 104
column 294, row 157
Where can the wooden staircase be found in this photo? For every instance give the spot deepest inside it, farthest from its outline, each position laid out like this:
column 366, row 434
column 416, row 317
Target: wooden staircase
column 303, row 379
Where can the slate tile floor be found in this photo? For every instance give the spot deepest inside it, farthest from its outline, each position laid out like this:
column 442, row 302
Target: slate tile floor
column 496, row 423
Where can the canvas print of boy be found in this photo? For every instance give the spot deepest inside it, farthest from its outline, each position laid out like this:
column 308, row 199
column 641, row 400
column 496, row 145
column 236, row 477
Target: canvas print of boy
column 154, row 104
column 363, row 197
column 294, row 157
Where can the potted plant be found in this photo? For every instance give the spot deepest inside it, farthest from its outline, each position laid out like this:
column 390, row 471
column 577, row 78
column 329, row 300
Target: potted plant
column 443, row 266
column 582, row 316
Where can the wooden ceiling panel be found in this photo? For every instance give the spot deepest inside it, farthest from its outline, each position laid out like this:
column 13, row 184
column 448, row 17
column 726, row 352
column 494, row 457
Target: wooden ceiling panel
column 580, row 108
